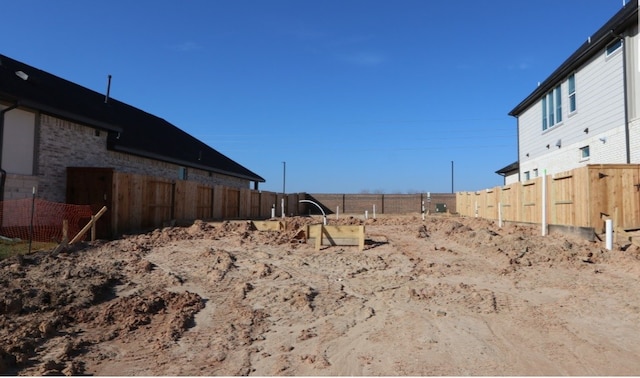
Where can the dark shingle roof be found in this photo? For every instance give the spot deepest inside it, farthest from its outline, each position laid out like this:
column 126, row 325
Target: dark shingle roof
column 131, row 130
column 625, row 17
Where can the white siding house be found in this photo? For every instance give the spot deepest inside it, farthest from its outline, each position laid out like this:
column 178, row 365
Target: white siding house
column 586, row 112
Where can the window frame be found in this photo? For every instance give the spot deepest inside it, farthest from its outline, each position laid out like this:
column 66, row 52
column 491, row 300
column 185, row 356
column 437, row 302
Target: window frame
column 545, row 121
column 551, row 105
column 571, row 89
column 558, row 104
column 183, row 173
column 582, row 153
column 613, row 47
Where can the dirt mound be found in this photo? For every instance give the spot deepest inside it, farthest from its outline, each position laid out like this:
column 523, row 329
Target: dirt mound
column 440, row 296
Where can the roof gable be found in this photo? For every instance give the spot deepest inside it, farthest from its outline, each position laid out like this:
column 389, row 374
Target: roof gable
column 131, row 130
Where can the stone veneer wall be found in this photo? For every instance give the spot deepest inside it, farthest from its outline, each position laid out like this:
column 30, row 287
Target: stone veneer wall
column 65, row 144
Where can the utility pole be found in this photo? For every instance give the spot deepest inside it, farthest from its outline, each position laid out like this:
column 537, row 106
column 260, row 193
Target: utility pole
column 452, row 176
column 284, row 177
column 284, row 180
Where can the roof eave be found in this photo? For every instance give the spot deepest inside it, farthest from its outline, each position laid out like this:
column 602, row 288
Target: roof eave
column 185, row 163
column 62, row 114
column 509, row 168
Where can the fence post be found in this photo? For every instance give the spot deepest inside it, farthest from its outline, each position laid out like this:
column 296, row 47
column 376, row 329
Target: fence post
column 33, row 206
column 282, row 206
column 609, row 234
column 544, row 203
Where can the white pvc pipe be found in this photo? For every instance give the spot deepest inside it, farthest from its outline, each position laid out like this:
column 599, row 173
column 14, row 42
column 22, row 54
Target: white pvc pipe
column 273, row 211
column 282, row 206
column 366, row 214
column 324, row 215
column 609, row 233
column 374, row 211
column 544, row 203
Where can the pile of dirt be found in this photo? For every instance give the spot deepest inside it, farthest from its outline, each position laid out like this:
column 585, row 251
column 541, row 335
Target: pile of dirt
column 440, row 296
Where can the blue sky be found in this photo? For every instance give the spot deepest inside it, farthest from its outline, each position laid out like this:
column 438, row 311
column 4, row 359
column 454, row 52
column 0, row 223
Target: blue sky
column 354, row 95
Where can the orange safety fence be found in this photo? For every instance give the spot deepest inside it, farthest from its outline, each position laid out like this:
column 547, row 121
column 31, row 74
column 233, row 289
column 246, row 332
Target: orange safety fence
column 16, row 219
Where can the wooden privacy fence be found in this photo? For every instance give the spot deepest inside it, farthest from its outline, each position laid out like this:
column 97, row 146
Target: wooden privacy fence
column 583, row 197
column 142, row 202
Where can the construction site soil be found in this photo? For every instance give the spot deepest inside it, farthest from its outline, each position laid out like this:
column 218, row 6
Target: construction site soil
column 440, row 296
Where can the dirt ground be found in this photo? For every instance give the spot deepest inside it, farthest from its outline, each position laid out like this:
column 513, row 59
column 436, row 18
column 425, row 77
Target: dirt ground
column 444, row 296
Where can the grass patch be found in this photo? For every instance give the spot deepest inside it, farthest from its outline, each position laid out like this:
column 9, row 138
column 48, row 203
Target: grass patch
column 8, row 249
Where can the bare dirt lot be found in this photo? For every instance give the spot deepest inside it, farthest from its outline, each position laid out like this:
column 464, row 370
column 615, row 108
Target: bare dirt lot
column 444, row 296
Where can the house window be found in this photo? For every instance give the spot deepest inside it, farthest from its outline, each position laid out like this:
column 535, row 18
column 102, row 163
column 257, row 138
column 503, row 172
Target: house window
column 552, row 108
column 527, row 176
column 544, row 113
column 182, row 173
column 572, row 93
column 535, row 172
column 614, row 46
column 558, row 105
column 584, row 153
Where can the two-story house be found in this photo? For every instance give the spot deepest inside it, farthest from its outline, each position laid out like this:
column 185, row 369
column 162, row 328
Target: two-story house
column 587, row 110
column 48, row 124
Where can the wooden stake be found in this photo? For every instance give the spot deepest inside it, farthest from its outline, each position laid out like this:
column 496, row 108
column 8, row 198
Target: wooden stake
column 65, row 238
column 93, row 228
column 65, row 231
column 86, row 228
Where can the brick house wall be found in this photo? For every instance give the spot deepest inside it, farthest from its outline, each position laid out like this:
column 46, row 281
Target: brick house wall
column 61, row 144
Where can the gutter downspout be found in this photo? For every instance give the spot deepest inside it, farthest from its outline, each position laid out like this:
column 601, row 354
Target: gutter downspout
column 627, row 137
column 518, row 144
column 3, row 173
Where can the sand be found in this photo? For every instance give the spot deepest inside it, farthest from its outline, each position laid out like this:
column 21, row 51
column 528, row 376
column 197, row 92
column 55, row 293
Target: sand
column 443, row 296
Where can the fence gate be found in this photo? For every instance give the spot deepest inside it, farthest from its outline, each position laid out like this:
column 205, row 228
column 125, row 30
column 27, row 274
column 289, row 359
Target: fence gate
column 93, row 187
column 231, row 203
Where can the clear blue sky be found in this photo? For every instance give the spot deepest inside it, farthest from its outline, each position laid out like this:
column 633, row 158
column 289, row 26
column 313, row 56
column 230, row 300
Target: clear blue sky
column 354, row 95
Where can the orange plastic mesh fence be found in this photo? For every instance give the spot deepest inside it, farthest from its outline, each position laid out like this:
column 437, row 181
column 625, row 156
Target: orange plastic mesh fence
column 15, row 219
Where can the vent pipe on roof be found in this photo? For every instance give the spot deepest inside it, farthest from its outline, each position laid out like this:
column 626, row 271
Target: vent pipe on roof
column 106, row 97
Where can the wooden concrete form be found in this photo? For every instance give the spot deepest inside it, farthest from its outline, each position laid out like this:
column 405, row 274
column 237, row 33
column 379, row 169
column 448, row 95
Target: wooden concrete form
column 335, row 235
column 583, row 197
column 270, row 225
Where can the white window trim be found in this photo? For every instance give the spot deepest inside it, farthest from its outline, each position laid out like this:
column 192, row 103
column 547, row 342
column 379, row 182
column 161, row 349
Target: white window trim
column 574, row 93
column 616, row 51
column 581, row 151
column 548, row 102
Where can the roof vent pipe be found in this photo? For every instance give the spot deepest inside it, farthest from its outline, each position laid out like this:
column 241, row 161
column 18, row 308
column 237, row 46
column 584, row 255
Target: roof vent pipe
column 106, row 97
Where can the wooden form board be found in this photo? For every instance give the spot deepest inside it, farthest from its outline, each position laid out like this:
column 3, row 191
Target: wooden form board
column 335, row 235
column 269, row 225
